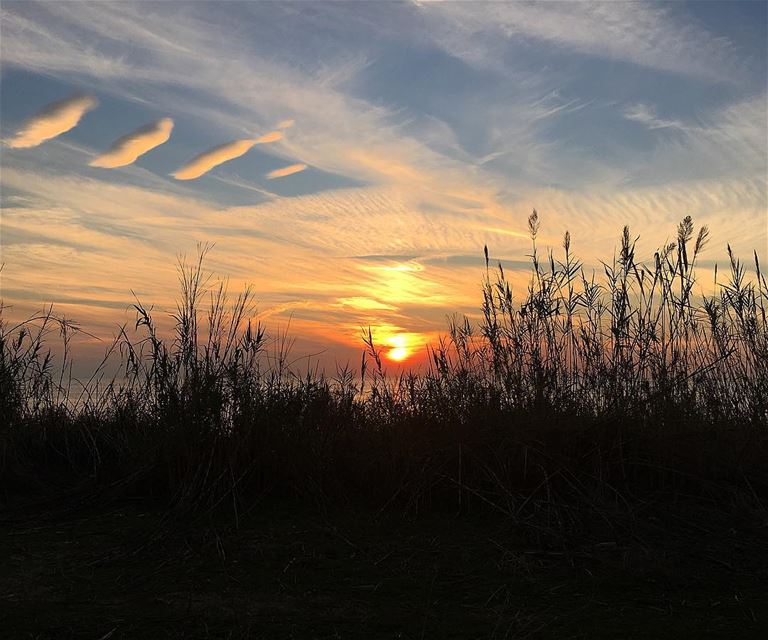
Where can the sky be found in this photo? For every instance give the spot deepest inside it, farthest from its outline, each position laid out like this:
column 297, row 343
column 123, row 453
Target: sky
column 351, row 160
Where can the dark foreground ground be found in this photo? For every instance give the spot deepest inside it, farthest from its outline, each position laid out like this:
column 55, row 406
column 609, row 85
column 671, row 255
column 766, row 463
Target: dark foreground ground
column 125, row 571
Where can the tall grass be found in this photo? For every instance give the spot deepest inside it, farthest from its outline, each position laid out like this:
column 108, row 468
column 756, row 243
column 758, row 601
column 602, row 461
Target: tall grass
column 583, row 388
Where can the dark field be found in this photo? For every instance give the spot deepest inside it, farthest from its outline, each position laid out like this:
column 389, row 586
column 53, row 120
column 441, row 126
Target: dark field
column 589, row 460
column 128, row 572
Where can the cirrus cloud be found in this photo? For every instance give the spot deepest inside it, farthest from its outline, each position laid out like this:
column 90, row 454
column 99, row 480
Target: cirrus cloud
column 286, row 171
column 127, row 149
column 55, row 119
column 207, row 160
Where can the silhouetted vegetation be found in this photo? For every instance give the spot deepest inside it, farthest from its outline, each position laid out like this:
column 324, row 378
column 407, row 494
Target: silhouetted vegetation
column 608, row 423
column 584, row 387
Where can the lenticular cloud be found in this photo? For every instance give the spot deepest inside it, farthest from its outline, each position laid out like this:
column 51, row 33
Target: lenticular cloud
column 272, row 136
column 127, row 149
column 207, row 160
column 286, row 171
column 55, row 119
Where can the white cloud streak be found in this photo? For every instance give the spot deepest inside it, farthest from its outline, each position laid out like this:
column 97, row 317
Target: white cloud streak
column 646, row 115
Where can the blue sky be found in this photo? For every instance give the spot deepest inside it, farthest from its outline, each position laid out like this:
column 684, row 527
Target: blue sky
column 428, row 129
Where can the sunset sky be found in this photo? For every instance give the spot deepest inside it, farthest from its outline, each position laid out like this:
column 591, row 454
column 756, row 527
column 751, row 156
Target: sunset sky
column 351, row 160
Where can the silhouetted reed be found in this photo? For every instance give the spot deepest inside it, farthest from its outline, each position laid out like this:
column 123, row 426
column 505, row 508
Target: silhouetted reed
column 582, row 389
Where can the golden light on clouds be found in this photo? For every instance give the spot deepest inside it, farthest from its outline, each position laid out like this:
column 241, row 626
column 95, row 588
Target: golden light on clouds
column 127, row 149
column 207, row 160
column 363, row 303
column 402, row 283
column 399, row 267
column 286, row 171
column 55, row 119
column 285, row 124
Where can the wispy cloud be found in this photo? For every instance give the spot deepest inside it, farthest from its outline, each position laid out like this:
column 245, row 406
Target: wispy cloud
column 646, row 115
column 646, row 34
column 55, row 119
column 286, row 171
column 361, row 303
column 724, row 143
column 127, row 149
column 207, row 160
column 285, row 124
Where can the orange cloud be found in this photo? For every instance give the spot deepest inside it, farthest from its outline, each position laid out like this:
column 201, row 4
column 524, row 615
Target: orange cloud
column 285, row 124
column 272, row 136
column 55, row 119
column 286, row 171
column 362, row 303
column 207, row 160
column 127, row 149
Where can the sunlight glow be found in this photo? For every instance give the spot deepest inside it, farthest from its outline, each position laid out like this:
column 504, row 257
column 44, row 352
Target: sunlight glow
column 399, row 348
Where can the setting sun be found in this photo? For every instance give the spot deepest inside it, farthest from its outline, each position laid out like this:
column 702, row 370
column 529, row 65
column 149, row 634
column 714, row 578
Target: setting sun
column 399, row 349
